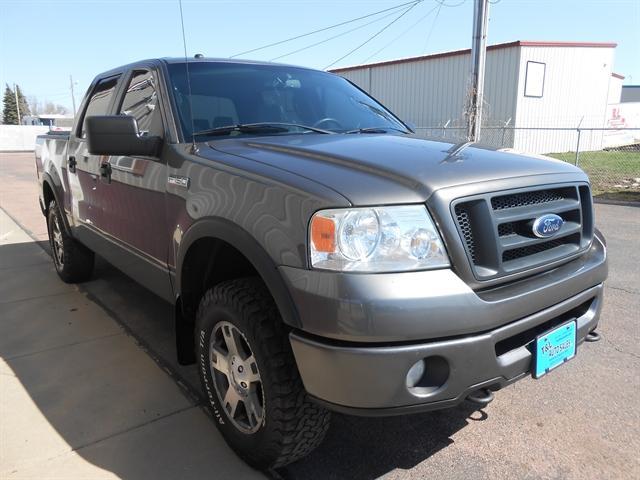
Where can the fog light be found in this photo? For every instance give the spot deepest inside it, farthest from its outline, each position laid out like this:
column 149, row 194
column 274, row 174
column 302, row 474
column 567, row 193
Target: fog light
column 415, row 374
column 427, row 376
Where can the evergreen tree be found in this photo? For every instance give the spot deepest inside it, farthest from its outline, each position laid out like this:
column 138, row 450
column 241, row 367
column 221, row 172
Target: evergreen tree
column 24, row 105
column 9, row 111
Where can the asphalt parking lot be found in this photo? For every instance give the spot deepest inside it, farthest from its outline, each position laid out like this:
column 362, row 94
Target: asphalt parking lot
column 580, row 422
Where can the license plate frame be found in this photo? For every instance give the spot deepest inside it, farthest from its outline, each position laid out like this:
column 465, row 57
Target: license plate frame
column 555, row 347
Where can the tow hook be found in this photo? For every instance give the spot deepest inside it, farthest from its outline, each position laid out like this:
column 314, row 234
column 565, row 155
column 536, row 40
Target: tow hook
column 592, row 336
column 481, row 397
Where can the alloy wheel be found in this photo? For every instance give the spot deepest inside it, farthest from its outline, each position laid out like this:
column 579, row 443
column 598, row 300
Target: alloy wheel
column 57, row 242
column 236, row 376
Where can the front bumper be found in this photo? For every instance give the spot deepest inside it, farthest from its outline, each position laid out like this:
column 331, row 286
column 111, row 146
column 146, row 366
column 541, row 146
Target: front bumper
column 360, row 360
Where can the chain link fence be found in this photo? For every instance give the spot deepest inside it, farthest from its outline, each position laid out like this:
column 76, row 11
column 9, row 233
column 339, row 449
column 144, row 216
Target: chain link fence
column 610, row 156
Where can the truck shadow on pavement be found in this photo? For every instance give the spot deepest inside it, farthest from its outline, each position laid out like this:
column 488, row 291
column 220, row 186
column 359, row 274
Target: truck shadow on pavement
column 355, row 448
column 366, row 448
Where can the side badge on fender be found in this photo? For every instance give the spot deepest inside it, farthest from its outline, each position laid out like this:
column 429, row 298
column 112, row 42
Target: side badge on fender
column 179, row 181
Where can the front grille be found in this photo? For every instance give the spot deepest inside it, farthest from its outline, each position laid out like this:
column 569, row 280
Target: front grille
column 464, row 223
column 496, row 228
column 516, row 253
column 505, row 229
column 530, row 198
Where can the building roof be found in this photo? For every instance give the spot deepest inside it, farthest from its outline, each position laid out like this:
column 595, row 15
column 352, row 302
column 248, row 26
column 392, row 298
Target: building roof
column 54, row 115
column 453, row 53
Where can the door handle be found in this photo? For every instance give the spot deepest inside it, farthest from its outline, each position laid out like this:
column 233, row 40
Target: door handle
column 72, row 164
column 105, row 171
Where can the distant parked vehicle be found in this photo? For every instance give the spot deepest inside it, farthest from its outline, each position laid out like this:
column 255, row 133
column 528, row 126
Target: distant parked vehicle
column 319, row 256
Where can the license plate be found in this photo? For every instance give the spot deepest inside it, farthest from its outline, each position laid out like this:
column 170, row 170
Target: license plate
column 554, row 348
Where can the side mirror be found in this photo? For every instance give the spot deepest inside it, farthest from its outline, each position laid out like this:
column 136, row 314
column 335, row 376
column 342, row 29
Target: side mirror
column 118, row 135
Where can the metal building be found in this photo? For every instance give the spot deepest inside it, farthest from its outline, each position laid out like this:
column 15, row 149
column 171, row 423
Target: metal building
column 527, row 84
column 630, row 93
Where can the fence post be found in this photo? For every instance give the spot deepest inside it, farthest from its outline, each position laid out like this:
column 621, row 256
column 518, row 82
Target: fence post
column 444, row 129
column 578, row 143
column 504, row 129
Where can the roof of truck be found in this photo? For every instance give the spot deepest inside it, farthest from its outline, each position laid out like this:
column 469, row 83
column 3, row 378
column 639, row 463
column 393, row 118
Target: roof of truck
column 173, row 60
column 216, row 60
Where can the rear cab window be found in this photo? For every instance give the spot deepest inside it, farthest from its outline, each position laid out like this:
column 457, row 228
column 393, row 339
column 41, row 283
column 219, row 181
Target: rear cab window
column 100, row 100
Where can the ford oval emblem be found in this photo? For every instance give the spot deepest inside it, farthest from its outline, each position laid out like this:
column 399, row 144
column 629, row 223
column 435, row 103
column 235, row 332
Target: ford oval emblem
column 547, row 225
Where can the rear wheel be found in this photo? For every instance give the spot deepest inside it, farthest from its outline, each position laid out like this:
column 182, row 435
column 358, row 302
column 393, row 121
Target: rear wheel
column 249, row 374
column 73, row 261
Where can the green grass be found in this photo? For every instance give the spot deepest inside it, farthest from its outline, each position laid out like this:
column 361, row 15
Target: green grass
column 614, row 174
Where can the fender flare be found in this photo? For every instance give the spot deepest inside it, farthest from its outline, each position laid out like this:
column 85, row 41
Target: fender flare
column 55, row 188
column 236, row 236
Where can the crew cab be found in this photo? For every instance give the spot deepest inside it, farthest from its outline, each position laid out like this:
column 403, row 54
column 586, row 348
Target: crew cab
column 320, row 255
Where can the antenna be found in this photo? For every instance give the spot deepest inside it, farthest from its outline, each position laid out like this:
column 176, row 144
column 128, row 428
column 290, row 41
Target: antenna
column 194, row 148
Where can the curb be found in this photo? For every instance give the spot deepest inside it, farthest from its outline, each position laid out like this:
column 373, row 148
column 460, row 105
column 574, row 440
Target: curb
column 621, row 203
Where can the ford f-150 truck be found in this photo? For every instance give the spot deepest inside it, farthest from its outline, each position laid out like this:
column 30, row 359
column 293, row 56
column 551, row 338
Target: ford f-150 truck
column 320, row 255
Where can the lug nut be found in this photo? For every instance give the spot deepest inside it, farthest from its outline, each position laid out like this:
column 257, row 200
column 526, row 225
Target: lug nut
column 243, row 384
column 240, row 369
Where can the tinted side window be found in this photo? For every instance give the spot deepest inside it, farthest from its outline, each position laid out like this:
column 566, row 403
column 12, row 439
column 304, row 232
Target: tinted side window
column 141, row 101
column 99, row 101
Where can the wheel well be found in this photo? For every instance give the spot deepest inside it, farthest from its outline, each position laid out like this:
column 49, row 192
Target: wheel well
column 47, row 196
column 208, row 262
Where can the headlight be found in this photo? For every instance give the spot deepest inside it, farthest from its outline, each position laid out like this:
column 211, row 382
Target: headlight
column 380, row 239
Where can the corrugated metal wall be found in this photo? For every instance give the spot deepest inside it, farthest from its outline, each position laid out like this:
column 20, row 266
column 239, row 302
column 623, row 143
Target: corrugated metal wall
column 429, row 92
column 576, row 90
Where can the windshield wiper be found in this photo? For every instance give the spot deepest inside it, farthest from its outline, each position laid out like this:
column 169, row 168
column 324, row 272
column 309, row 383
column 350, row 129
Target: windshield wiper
column 376, row 110
column 376, row 130
column 260, row 127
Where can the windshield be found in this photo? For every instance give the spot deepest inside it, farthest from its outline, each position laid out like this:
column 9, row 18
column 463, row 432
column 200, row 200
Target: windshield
column 226, row 94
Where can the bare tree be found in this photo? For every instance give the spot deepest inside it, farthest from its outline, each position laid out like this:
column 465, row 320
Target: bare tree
column 36, row 108
column 50, row 107
column 47, row 106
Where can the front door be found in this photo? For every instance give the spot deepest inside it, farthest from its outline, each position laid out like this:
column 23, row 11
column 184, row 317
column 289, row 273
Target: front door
column 132, row 189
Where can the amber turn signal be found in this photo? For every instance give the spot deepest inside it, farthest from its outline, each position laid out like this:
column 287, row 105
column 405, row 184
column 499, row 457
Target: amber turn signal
column 323, row 234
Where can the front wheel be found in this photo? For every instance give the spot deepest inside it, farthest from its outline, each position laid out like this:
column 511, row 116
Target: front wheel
column 250, row 376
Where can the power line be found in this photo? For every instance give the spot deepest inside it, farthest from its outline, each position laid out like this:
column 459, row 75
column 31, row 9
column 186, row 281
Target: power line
column 374, row 35
column 433, row 26
column 441, row 2
column 407, row 30
column 334, row 37
column 412, row 3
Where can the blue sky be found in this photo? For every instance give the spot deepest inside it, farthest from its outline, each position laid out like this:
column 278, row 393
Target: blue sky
column 43, row 42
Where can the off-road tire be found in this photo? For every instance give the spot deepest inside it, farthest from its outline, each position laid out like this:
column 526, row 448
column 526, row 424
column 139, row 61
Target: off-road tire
column 292, row 425
column 75, row 264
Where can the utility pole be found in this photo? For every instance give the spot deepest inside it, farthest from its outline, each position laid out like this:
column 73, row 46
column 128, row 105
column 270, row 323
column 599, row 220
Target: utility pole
column 15, row 92
column 73, row 97
column 478, row 57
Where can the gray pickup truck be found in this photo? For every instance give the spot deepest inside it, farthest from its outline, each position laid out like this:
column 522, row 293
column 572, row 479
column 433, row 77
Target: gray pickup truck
column 320, row 256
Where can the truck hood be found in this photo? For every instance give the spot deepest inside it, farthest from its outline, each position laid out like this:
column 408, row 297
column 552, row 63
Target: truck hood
column 372, row 169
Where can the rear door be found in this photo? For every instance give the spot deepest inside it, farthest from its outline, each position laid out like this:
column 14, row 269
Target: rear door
column 82, row 167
